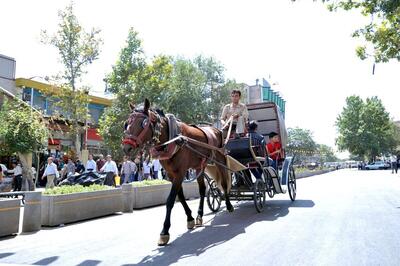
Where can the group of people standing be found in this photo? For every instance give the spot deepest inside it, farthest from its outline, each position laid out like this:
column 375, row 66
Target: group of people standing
column 128, row 171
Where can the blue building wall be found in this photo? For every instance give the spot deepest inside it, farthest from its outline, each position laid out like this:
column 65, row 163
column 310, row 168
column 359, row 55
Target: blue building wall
column 41, row 102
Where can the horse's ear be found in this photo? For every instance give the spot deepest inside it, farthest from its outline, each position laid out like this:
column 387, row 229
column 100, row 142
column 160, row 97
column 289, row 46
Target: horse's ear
column 146, row 105
column 132, row 106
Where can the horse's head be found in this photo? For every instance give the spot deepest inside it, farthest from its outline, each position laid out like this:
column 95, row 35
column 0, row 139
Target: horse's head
column 142, row 129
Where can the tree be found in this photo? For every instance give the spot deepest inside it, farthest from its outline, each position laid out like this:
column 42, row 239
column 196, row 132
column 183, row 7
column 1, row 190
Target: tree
column 300, row 143
column 326, row 154
column 131, row 80
column 22, row 131
column 382, row 33
column 365, row 128
column 77, row 49
column 190, row 89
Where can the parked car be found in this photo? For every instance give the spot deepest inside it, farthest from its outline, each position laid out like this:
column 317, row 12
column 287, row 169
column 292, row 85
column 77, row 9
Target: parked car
column 377, row 165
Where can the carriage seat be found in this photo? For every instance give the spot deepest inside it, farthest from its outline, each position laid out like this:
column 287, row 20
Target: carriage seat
column 242, row 150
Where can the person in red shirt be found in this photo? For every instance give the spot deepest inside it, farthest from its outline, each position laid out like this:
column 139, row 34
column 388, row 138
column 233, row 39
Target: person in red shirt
column 274, row 148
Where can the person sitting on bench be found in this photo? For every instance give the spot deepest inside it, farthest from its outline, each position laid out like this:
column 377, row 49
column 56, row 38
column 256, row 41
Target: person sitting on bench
column 274, row 148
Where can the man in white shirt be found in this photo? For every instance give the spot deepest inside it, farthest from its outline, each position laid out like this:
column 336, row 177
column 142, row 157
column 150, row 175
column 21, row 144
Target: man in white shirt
column 110, row 167
column 17, row 173
column 91, row 164
column 50, row 172
column 236, row 111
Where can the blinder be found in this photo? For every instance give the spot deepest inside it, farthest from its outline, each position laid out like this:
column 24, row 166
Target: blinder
column 146, row 125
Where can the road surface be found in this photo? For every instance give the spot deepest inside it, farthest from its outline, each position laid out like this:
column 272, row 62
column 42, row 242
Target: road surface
column 346, row 217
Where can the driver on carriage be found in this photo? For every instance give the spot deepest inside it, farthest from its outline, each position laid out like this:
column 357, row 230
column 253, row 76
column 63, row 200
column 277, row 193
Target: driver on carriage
column 236, row 111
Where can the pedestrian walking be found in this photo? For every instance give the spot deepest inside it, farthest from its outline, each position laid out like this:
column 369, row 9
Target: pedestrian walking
column 111, row 170
column 146, row 169
column 139, row 167
column 17, row 174
column 393, row 163
column 80, row 168
column 128, row 169
column 100, row 162
column 91, row 165
column 156, row 168
column 50, row 172
column 70, row 167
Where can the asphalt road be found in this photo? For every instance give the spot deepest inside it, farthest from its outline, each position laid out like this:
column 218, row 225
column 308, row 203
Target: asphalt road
column 346, row 217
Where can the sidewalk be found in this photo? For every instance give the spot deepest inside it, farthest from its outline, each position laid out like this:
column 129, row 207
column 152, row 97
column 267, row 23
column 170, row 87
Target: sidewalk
column 112, row 240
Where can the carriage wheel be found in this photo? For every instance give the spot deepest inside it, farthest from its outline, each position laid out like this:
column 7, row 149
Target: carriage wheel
column 268, row 185
column 259, row 195
column 214, row 197
column 292, row 184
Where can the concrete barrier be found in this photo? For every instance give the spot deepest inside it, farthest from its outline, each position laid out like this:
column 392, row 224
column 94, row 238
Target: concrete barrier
column 191, row 190
column 32, row 220
column 312, row 173
column 9, row 216
column 61, row 209
column 127, row 197
column 148, row 196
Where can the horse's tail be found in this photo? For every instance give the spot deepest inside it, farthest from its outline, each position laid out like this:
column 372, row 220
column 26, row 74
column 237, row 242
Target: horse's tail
column 223, row 176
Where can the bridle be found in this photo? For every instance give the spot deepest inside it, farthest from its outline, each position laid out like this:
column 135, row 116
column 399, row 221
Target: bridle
column 151, row 123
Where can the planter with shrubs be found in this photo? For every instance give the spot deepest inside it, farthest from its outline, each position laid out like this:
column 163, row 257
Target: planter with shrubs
column 69, row 204
column 149, row 193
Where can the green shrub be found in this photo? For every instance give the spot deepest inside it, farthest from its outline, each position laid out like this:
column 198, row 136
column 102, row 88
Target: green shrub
column 74, row 189
column 150, row 183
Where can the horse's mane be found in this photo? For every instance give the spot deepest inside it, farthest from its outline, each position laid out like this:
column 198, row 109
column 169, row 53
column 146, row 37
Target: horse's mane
column 140, row 108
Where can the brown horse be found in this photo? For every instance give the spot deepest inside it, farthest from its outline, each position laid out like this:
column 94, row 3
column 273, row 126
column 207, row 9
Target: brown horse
column 148, row 128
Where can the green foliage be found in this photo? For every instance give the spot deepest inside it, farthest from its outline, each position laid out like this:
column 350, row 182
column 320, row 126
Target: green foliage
column 365, row 128
column 22, row 129
column 69, row 105
column 326, row 154
column 382, row 33
column 193, row 90
column 74, row 189
column 153, row 182
column 300, row 141
column 77, row 49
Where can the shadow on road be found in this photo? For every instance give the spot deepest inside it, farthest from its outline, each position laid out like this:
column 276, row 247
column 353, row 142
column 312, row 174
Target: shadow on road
column 3, row 255
column 46, row 261
column 219, row 229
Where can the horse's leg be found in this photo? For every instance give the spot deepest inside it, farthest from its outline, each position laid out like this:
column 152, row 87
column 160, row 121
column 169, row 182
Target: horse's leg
column 225, row 185
column 190, row 219
column 202, row 191
column 164, row 236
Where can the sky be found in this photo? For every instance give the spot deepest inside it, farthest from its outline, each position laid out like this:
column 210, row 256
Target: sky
column 307, row 51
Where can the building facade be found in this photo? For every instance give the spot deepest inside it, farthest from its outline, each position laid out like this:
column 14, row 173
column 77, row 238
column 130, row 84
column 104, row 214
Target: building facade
column 60, row 142
column 264, row 93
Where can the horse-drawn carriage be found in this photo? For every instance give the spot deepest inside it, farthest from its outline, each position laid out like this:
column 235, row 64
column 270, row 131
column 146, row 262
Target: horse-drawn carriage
column 251, row 171
column 229, row 168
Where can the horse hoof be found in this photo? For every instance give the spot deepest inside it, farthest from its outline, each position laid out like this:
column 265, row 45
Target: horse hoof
column 230, row 208
column 199, row 221
column 190, row 224
column 163, row 240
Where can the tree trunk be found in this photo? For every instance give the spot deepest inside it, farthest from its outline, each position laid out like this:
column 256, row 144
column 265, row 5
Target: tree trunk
column 78, row 144
column 27, row 175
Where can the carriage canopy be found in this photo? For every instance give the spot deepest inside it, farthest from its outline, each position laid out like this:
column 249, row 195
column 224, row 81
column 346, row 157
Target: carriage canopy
column 269, row 118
